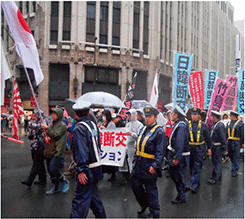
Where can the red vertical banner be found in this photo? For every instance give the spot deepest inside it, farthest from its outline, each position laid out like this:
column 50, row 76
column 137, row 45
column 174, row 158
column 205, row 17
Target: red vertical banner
column 159, row 105
column 196, row 89
column 33, row 102
column 7, row 102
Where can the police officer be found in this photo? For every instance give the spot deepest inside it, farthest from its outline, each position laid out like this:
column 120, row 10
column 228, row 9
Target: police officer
column 235, row 133
column 178, row 153
column 86, row 153
column 218, row 136
column 147, row 164
column 198, row 135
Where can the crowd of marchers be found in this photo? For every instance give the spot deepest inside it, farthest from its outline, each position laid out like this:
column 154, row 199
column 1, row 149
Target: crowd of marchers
column 180, row 143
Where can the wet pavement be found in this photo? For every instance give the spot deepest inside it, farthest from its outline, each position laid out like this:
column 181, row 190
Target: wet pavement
column 223, row 200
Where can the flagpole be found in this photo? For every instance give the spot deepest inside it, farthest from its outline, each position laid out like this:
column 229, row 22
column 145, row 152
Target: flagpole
column 33, row 93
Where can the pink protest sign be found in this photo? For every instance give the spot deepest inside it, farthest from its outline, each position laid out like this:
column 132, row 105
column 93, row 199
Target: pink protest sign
column 220, row 91
column 231, row 97
column 196, row 89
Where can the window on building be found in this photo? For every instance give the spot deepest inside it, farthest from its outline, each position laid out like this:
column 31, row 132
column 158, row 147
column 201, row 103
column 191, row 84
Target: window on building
column 34, row 6
column 116, row 19
column 54, row 20
column 136, row 25
column 103, row 22
column 90, row 25
column 2, row 26
column 21, row 7
column 146, row 27
column 59, row 81
column 27, row 7
column 67, row 21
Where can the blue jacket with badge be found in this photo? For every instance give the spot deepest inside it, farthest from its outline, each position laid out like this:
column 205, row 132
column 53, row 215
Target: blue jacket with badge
column 149, row 152
column 179, row 141
column 83, row 150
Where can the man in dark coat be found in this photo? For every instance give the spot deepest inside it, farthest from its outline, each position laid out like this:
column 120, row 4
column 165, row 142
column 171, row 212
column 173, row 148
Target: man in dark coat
column 37, row 136
column 218, row 136
column 178, row 152
column 86, row 153
column 147, row 164
column 235, row 134
column 199, row 134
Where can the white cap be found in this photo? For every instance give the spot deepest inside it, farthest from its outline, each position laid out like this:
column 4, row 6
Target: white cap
column 81, row 105
column 215, row 113
column 178, row 110
column 132, row 111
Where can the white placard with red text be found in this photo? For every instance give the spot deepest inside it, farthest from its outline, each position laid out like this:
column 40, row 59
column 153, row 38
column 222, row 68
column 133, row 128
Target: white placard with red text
column 113, row 146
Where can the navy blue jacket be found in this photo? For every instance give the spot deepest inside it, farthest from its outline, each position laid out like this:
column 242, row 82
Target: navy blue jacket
column 154, row 146
column 218, row 134
column 179, row 141
column 82, row 149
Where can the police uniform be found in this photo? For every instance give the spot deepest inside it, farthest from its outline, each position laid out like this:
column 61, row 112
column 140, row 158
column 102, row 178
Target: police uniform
column 86, row 153
column 235, row 134
column 218, row 137
column 198, row 135
column 178, row 149
column 149, row 152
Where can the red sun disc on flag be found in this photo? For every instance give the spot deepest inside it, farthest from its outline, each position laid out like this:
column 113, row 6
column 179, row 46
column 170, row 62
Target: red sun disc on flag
column 23, row 22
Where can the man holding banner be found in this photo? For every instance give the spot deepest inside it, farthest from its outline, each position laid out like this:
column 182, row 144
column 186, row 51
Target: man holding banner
column 147, row 164
column 86, row 153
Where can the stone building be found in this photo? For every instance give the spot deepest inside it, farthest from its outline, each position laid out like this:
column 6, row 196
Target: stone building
column 99, row 45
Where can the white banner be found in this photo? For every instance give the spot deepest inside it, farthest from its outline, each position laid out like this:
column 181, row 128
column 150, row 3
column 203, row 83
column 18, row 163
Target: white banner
column 113, row 146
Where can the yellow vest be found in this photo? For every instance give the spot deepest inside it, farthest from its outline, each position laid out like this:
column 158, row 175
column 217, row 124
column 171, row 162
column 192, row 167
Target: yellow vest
column 198, row 134
column 231, row 134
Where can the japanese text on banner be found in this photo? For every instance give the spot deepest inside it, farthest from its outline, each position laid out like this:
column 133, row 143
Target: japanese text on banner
column 183, row 65
column 209, row 86
column 231, row 97
column 196, row 89
column 113, row 146
column 241, row 92
column 220, row 91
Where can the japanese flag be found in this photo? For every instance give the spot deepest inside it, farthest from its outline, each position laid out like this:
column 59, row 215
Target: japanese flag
column 154, row 92
column 24, row 40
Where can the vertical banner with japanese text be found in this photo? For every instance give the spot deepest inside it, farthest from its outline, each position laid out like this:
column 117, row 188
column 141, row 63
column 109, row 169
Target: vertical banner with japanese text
column 220, row 91
column 241, row 92
column 183, row 63
column 113, row 146
column 196, row 89
column 209, row 87
column 231, row 97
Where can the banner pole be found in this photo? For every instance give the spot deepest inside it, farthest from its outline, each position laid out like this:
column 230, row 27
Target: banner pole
column 33, row 93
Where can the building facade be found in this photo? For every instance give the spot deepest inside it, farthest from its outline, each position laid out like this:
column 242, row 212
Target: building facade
column 99, row 45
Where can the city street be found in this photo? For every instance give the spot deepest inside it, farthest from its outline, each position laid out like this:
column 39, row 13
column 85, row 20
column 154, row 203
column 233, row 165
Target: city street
column 223, row 200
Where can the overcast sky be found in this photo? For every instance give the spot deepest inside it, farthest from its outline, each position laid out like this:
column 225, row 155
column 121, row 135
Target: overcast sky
column 239, row 9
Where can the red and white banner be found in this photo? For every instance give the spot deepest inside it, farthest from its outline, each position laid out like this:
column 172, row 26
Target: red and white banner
column 220, row 91
column 196, row 89
column 113, row 146
column 24, row 40
column 154, row 92
column 17, row 110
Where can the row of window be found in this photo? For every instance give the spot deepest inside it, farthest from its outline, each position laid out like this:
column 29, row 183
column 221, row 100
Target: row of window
column 91, row 20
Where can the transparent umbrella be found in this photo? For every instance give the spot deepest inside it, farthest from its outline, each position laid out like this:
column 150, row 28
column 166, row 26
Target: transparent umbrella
column 101, row 99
